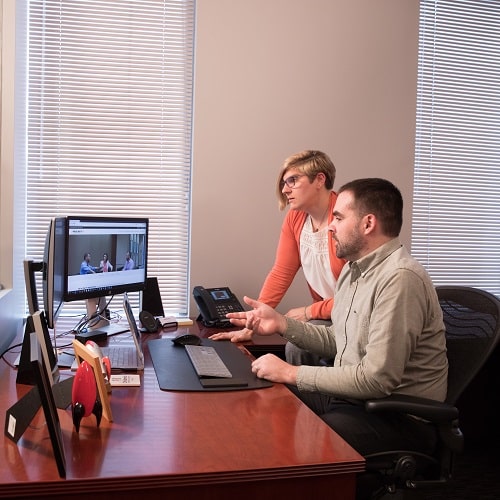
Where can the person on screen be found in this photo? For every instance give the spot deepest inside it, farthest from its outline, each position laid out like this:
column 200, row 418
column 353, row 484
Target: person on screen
column 129, row 263
column 105, row 265
column 85, row 267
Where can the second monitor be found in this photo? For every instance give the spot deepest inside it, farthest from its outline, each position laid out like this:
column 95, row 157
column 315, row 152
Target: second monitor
column 88, row 257
column 105, row 256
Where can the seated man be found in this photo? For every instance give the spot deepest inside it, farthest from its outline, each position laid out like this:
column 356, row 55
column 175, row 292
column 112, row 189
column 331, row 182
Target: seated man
column 129, row 263
column 387, row 334
column 85, row 267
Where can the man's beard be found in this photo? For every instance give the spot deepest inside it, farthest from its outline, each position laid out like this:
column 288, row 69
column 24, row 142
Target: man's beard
column 351, row 248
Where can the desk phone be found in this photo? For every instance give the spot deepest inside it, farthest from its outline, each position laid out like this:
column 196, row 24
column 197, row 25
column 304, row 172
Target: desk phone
column 214, row 304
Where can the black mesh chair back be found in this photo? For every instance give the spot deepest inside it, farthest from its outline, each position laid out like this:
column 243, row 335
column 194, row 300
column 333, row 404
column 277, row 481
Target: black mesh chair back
column 472, row 320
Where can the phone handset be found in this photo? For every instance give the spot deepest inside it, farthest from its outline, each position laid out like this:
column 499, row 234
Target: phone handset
column 214, row 304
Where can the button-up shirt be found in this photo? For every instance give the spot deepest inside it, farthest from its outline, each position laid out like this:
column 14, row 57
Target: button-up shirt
column 387, row 333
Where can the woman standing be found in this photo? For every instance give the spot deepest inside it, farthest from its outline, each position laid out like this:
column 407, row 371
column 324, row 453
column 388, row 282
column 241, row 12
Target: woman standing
column 305, row 185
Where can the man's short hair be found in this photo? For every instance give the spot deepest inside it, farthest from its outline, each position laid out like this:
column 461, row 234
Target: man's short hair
column 381, row 198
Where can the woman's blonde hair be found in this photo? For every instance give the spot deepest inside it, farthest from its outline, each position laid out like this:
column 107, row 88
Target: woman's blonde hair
column 310, row 163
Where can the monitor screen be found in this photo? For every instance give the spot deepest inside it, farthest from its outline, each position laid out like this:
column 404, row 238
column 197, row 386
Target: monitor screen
column 104, row 256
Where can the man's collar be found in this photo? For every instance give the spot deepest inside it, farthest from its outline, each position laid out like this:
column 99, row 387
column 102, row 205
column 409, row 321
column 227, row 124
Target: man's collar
column 361, row 266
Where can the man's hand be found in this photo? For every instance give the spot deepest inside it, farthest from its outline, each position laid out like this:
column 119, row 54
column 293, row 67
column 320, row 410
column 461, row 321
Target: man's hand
column 234, row 336
column 275, row 369
column 262, row 319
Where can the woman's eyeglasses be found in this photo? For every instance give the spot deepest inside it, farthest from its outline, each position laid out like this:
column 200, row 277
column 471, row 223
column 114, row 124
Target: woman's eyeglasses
column 290, row 181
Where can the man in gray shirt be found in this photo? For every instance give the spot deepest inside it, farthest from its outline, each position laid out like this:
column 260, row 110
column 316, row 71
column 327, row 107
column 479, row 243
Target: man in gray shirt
column 387, row 334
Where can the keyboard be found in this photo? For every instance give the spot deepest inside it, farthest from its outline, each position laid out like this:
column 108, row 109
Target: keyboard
column 207, row 362
column 121, row 357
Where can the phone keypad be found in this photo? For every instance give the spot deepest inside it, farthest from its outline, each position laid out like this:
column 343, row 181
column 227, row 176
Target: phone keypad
column 223, row 309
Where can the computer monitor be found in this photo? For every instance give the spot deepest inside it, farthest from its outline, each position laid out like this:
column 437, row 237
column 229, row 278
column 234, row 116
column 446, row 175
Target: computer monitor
column 122, row 240
column 36, row 323
column 53, row 270
column 30, row 268
column 44, row 385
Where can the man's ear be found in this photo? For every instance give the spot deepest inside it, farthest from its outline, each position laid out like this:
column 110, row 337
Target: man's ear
column 369, row 223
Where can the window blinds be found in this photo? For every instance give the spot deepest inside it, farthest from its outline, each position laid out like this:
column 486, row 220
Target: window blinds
column 109, row 124
column 456, row 212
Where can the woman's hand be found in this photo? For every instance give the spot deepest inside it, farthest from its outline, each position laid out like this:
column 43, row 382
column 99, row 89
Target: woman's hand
column 243, row 335
column 299, row 313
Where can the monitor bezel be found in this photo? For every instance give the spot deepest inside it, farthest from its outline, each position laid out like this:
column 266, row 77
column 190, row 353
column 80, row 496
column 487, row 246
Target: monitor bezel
column 48, row 403
column 54, row 265
column 30, row 268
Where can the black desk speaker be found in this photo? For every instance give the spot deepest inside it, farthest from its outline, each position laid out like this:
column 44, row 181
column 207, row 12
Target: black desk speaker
column 151, row 298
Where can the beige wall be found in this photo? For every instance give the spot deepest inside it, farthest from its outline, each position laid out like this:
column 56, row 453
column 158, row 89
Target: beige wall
column 9, row 320
column 274, row 77
column 7, row 54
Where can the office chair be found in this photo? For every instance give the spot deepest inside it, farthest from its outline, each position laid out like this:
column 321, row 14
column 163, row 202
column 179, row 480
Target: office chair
column 472, row 320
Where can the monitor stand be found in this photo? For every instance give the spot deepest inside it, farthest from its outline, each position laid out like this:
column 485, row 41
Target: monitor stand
column 102, row 328
column 94, row 306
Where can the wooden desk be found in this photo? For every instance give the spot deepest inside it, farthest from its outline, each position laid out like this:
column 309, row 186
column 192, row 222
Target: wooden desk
column 248, row 444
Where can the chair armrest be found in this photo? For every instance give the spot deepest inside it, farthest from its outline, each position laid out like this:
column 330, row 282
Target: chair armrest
column 428, row 409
